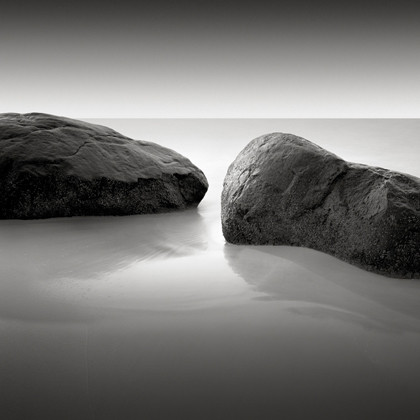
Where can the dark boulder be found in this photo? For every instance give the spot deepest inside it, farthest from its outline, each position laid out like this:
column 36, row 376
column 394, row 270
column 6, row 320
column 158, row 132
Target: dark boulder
column 285, row 190
column 53, row 166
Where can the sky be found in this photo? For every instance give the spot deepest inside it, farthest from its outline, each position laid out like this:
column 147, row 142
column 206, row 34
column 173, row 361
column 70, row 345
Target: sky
column 218, row 59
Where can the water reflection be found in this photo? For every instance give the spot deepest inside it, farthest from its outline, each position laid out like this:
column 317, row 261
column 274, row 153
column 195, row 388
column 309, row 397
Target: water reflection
column 39, row 257
column 326, row 287
column 91, row 246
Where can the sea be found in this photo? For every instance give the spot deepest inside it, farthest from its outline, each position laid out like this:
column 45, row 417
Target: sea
column 156, row 317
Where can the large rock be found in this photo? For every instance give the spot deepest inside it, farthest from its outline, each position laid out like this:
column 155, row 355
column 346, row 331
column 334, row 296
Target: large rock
column 52, row 166
column 283, row 189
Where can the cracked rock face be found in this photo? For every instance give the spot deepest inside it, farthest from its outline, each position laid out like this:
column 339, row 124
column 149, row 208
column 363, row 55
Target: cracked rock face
column 285, row 190
column 53, row 166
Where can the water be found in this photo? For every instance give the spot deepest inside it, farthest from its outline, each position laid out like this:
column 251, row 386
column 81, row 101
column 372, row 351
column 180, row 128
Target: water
column 155, row 317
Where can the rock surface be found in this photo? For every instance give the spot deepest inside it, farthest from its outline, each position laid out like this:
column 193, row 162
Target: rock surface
column 285, row 190
column 53, row 166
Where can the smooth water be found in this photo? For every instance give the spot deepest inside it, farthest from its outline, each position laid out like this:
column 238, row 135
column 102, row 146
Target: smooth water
column 156, row 317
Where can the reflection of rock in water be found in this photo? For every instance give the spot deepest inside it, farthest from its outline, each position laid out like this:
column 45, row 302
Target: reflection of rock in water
column 40, row 251
column 88, row 247
column 275, row 274
column 327, row 286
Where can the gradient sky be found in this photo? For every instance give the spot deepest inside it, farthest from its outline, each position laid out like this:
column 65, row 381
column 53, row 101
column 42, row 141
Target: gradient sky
column 210, row 59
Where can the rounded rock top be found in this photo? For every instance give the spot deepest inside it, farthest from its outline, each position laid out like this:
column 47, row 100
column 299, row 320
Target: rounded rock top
column 55, row 166
column 284, row 190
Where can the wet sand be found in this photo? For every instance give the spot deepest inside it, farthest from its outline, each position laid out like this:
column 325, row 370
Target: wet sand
column 156, row 317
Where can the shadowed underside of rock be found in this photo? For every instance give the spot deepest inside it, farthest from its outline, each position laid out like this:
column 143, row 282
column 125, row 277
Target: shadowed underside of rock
column 285, row 190
column 53, row 166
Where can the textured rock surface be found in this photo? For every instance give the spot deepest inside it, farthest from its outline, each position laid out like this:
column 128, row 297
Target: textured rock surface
column 52, row 166
column 283, row 189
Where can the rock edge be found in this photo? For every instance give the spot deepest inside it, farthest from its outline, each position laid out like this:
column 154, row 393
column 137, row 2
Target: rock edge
column 284, row 190
column 54, row 166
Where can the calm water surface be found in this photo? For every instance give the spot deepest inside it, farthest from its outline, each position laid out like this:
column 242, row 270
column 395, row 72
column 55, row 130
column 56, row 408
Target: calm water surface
column 155, row 317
